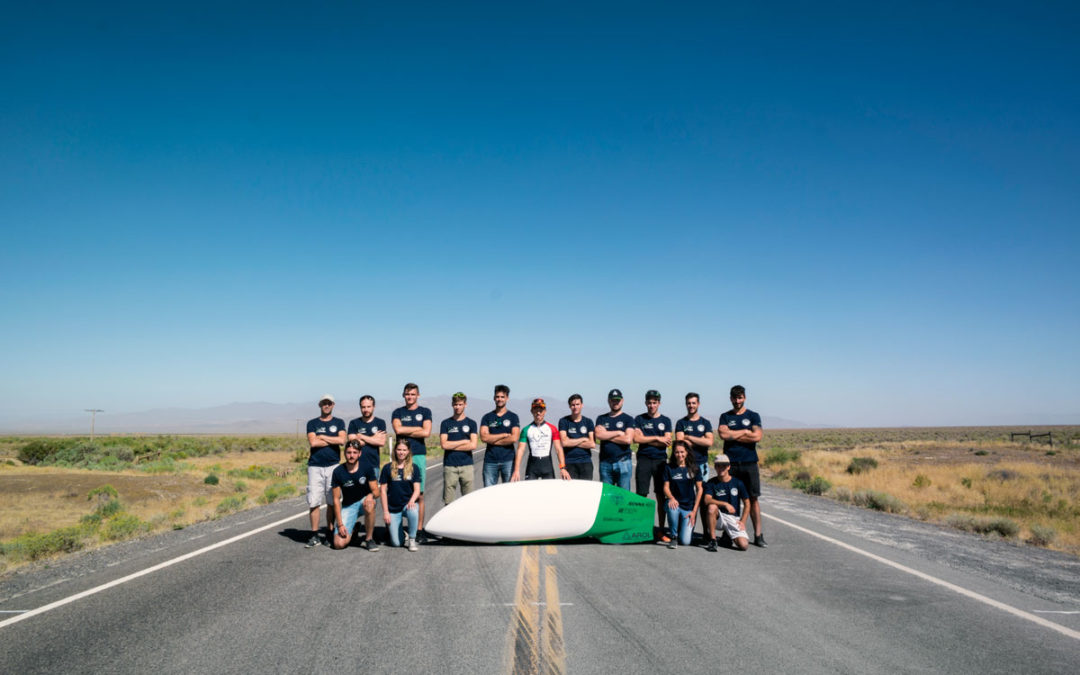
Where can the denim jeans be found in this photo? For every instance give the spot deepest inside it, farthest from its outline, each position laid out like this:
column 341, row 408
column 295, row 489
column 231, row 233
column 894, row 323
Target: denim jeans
column 493, row 470
column 703, row 471
column 616, row 473
column 679, row 525
column 397, row 529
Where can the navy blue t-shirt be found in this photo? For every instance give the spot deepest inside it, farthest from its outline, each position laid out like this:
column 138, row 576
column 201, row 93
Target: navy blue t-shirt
column 413, row 419
column 501, row 425
column 580, row 429
column 399, row 490
column 610, row 451
column 683, row 487
column 696, row 428
column 738, row 451
column 328, row 455
column 732, row 492
column 652, row 426
column 369, row 454
column 458, row 431
column 354, row 486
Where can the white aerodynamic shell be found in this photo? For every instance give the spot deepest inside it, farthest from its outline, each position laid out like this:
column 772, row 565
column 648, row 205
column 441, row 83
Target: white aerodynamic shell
column 533, row 510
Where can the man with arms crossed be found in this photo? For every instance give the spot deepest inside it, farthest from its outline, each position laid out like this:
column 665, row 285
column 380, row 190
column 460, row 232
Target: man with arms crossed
column 652, row 433
column 615, row 431
column 578, row 440
column 538, row 439
column 355, row 485
column 326, row 435
column 499, row 429
column 369, row 431
column 725, row 499
column 698, row 433
column 740, row 430
column 413, row 422
column 457, row 435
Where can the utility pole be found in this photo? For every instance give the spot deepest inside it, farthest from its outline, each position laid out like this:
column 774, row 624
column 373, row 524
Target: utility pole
column 93, row 415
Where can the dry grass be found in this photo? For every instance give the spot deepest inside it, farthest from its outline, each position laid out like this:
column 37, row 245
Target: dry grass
column 41, row 500
column 980, row 483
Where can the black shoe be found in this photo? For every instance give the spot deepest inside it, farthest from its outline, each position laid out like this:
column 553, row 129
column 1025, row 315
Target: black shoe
column 711, row 546
column 313, row 542
column 759, row 541
column 371, row 545
column 724, row 540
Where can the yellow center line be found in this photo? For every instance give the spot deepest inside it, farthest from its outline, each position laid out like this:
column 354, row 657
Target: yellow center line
column 522, row 638
column 553, row 648
column 551, row 550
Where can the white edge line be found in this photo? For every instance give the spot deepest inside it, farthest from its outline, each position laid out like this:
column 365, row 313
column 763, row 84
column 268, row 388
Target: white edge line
column 1068, row 632
column 140, row 573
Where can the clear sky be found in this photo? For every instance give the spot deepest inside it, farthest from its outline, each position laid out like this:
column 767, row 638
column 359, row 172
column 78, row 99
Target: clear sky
column 866, row 215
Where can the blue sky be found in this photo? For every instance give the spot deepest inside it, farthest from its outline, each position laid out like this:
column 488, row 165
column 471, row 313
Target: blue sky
column 868, row 216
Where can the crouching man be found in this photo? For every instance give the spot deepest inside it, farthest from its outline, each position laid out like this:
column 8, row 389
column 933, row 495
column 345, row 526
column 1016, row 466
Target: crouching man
column 727, row 503
column 355, row 487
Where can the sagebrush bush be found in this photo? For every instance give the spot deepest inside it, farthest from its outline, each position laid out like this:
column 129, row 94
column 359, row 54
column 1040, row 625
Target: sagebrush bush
column 211, row 479
column 879, row 501
column 777, row 456
column 860, row 464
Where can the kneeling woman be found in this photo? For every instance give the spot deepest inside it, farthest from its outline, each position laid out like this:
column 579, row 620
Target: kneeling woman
column 402, row 489
column 682, row 490
column 354, row 487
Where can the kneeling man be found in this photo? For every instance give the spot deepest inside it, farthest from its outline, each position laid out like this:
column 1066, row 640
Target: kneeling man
column 354, row 487
column 726, row 503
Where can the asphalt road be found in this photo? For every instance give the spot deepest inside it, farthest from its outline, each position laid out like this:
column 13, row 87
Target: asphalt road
column 878, row 593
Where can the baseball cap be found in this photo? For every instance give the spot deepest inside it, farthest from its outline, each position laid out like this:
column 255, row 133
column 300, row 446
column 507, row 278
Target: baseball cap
column 327, row 397
column 652, row 393
column 721, row 459
column 614, row 393
column 538, row 403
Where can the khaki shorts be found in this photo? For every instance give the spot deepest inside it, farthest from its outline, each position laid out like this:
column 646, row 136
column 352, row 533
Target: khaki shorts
column 731, row 525
column 318, row 485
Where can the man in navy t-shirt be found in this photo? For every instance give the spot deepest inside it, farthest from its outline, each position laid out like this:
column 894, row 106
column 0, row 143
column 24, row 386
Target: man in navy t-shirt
column 369, row 430
column 615, row 431
column 499, row 429
column 698, row 433
column 726, row 501
column 652, row 433
column 457, row 434
column 326, row 435
column 355, row 486
column 740, row 430
column 578, row 440
column 413, row 421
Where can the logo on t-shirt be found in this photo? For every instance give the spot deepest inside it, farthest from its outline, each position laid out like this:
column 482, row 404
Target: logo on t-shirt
column 419, row 416
column 465, row 428
column 584, row 429
column 333, row 429
column 506, row 423
column 701, row 428
column 618, row 425
column 660, row 426
column 746, row 422
column 734, row 492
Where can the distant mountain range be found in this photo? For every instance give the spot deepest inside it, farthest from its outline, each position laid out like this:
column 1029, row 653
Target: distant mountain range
column 283, row 418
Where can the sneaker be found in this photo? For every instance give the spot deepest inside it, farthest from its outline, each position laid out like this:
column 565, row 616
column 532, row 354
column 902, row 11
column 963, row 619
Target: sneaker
column 711, row 546
column 413, row 546
column 421, row 537
column 664, row 539
column 407, row 541
column 759, row 541
column 313, row 542
column 371, row 545
column 671, row 544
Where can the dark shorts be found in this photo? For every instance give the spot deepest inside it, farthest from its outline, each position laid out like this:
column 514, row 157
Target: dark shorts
column 539, row 467
column 580, row 470
column 650, row 470
column 747, row 472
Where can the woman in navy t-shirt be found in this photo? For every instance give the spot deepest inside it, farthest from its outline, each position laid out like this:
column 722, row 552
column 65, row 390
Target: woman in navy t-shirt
column 682, row 492
column 401, row 481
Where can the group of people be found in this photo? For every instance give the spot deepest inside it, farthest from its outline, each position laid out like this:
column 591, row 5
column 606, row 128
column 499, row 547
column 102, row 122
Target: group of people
column 679, row 479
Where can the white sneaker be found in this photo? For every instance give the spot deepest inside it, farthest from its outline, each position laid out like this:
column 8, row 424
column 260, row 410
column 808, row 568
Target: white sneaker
column 407, row 542
column 413, row 546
